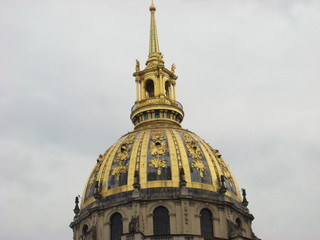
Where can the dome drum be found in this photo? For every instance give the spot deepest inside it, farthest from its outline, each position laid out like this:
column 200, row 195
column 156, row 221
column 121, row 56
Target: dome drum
column 184, row 215
column 164, row 102
column 169, row 116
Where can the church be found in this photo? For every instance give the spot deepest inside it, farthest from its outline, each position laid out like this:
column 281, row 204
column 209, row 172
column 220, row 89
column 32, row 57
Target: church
column 160, row 181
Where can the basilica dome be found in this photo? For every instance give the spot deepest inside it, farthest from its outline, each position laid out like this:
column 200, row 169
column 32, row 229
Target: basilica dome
column 160, row 181
column 160, row 157
column 158, row 153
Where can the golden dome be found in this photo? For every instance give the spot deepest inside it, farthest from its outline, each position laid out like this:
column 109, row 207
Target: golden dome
column 160, row 181
column 159, row 157
column 159, row 153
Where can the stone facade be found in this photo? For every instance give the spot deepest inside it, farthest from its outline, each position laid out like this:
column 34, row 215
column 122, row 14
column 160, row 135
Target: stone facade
column 230, row 220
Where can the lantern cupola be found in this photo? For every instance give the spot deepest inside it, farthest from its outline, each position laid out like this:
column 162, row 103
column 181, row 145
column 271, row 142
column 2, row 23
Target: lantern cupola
column 155, row 87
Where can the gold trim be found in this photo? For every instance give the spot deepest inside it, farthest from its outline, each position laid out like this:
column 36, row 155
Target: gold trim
column 108, row 165
column 195, row 153
column 115, row 190
column 134, row 159
column 143, row 159
column 184, row 158
column 163, row 183
column 173, row 157
column 203, row 186
column 122, row 154
column 211, row 164
column 177, row 150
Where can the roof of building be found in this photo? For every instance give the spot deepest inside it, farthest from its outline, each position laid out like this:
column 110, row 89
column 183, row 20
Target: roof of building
column 158, row 153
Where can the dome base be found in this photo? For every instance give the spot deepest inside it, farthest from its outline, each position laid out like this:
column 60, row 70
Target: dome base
column 230, row 220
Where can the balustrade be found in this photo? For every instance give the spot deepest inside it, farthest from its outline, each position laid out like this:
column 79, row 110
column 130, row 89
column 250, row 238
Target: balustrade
column 156, row 101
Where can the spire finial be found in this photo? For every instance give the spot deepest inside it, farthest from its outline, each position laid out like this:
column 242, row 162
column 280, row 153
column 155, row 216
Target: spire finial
column 244, row 194
column 76, row 209
column 152, row 7
column 154, row 44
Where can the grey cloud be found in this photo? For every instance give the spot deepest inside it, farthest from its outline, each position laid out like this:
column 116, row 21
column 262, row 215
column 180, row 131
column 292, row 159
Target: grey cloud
column 248, row 79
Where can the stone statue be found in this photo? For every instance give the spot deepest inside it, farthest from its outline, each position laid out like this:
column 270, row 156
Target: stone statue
column 223, row 188
column 136, row 183
column 173, row 68
column 233, row 229
column 134, row 225
column 137, row 66
column 97, row 194
column 183, row 181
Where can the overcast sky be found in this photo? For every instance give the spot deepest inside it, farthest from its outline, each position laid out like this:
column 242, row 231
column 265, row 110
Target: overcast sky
column 249, row 73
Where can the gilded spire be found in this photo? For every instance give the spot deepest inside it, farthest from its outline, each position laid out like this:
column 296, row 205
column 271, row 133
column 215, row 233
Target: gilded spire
column 154, row 43
column 155, row 88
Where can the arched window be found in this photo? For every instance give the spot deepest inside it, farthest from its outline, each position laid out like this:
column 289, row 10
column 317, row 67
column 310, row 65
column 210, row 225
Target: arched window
column 239, row 223
column 206, row 223
column 85, row 230
column 116, row 226
column 149, row 87
column 161, row 221
column 168, row 89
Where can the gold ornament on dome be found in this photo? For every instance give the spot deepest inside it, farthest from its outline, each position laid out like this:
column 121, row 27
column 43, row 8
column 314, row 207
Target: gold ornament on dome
column 158, row 136
column 199, row 165
column 119, row 169
column 223, row 166
column 187, row 138
column 130, row 139
column 92, row 180
column 158, row 148
column 96, row 170
column 123, row 152
column 158, row 164
column 122, row 155
column 221, row 163
column 194, row 150
column 195, row 153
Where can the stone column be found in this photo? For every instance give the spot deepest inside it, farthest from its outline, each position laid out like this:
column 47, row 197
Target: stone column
column 100, row 226
column 221, row 227
column 137, row 90
column 107, row 229
column 174, row 91
column 142, row 90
